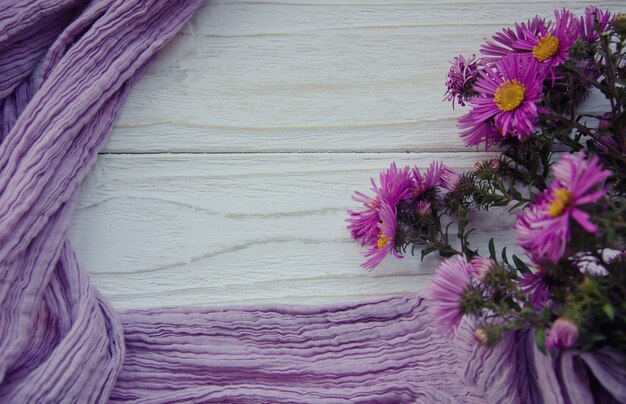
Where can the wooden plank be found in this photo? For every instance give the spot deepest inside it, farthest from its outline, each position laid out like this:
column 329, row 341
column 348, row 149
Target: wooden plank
column 305, row 76
column 161, row 230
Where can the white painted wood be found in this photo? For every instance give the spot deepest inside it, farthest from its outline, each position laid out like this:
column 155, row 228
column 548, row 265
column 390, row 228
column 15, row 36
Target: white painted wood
column 278, row 110
column 160, row 230
column 306, row 76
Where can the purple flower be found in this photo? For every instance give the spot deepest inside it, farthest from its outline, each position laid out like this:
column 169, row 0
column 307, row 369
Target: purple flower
column 450, row 178
column 453, row 278
column 551, row 48
column 428, row 180
column 481, row 266
column 586, row 25
column 562, row 334
column 506, row 42
column 509, row 93
column 461, row 79
column 384, row 243
column 544, row 229
column 535, row 288
column 395, row 185
column 363, row 223
column 587, row 30
column 474, row 132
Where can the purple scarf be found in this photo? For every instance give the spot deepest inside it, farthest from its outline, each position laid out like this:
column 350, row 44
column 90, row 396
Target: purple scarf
column 66, row 67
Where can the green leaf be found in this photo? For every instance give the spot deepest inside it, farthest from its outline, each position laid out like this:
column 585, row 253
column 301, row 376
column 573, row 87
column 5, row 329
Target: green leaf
column 521, row 266
column 492, row 250
column 610, row 312
column 540, row 339
column 427, row 251
column 595, row 337
column 516, row 194
column 517, row 205
column 504, row 257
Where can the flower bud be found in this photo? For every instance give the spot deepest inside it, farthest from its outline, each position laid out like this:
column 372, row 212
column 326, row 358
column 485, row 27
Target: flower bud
column 604, row 122
column 606, row 144
column 487, row 166
column 424, row 208
column 563, row 334
column 472, row 301
column 589, row 285
column 461, row 79
column 481, row 336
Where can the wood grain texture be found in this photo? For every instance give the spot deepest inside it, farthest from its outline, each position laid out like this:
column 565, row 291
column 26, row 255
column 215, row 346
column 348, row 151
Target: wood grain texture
column 307, row 76
column 228, row 175
column 198, row 229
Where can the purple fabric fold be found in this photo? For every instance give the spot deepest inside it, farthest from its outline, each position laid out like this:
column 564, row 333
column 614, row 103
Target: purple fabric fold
column 383, row 351
column 66, row 67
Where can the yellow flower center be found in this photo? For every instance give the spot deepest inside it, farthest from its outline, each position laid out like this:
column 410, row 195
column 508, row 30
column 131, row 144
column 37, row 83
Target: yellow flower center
column 376, row 202
column 547, row 47
column 382, row 240
column 562, row 198
column 510, row 95
column 419, row 189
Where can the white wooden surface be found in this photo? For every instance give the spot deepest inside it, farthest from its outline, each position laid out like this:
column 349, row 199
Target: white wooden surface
column 227, row 177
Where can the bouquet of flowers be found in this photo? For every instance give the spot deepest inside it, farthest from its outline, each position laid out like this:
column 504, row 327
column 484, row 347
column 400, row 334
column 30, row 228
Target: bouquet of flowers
column 561, row 171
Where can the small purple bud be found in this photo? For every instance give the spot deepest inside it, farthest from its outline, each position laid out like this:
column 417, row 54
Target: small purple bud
column 424, row 208
column 563, row 334
column 461, row 79
column 604, row 122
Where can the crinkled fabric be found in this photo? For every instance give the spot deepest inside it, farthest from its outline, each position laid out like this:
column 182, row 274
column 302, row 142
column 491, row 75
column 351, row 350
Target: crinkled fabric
column 66, row 67
column 515, row 371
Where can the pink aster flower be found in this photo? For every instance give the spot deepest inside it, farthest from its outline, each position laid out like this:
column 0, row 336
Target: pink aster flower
column 508, row 41
column 551, row 48
column 395, row 185
column 384, row 242
column 423, row 182
column 481, row 266
column 450, row 178
column 563, row 334
column 544, row 229
column 461, row 79
column 535, row 288
column 453, row 278
column 362, row 223
column 475, row 132
column 509, row 93
column 587, row 24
